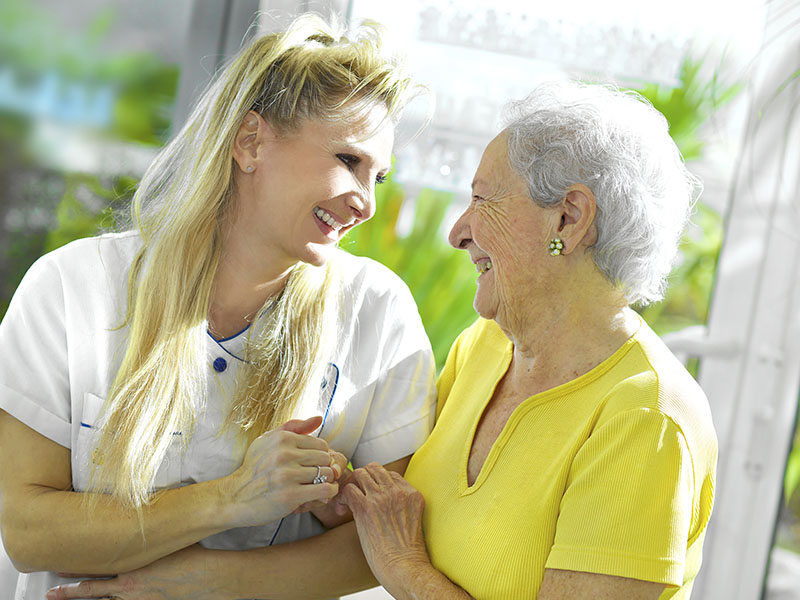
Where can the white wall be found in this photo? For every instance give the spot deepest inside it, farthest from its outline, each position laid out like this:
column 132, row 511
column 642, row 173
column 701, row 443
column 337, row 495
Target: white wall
column 8, row 575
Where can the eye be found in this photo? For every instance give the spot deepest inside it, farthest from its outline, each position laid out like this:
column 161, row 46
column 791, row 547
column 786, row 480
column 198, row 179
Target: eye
column 349, row 160
column 381, row 179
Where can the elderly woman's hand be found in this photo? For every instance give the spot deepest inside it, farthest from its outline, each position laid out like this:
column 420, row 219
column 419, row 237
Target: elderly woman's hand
column 388, row 514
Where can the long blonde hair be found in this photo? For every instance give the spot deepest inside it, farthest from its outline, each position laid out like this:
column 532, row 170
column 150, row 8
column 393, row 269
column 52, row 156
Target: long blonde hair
column 311, row 71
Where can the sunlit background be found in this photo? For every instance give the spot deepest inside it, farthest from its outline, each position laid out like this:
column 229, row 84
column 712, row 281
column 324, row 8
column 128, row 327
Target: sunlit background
column 90, row 89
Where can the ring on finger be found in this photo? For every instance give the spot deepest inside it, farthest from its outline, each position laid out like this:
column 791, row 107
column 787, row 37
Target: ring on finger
column 320, row 478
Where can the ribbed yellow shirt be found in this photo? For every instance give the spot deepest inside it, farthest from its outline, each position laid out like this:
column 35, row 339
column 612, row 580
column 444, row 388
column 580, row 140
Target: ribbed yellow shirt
column 610, row 473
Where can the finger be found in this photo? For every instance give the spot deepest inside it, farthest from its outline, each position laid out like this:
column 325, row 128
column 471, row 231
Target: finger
column 303, row 427
column 345, row 479
column 365, row 477
column 338, row 462
column 309, row 442
column 102, row 588
column 352, row 494
column 339, row 507
column 320, row 491
column 309, row 474
column 309, row 506
column 312, row 458
column 379, row 474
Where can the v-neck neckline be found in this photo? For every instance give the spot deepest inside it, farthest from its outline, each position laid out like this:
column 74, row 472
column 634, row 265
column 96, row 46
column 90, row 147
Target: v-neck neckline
column 502, row 365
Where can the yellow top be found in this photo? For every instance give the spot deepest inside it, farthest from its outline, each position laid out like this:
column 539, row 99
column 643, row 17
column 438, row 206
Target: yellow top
column 610, row 473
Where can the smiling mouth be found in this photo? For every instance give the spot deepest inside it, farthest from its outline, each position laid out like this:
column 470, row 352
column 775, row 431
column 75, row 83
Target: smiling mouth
column 326, row 218
column 483, row 266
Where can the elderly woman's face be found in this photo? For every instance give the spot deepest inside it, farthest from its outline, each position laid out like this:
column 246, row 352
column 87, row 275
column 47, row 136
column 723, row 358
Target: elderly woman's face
column 506, row 235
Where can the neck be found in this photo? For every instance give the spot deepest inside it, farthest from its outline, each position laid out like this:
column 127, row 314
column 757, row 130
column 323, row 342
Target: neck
column 568, row 338
column 242, row 285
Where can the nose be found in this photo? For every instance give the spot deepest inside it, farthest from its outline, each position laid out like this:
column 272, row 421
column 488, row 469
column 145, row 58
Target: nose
column 461, row 234
column 362, row 204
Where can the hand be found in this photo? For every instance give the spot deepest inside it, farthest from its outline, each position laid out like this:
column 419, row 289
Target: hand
column 277, row 473
column 184, row 574
column 388, row 514
column 341, row 473
column 335, row 512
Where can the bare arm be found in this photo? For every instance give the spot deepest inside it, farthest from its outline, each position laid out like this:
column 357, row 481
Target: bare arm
column 318, row 567
column 46, row 526
column 566, row 585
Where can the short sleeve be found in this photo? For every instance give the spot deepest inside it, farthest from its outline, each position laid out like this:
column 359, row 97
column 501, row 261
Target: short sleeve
column 403, row 404
column 34, row 371
column 627, row 507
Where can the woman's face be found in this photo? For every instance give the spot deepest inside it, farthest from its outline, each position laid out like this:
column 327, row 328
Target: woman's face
column 310, row 186
column 507, row 236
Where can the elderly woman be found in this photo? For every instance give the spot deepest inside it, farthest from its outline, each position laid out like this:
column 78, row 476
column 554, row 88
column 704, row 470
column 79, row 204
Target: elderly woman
column 573, row 456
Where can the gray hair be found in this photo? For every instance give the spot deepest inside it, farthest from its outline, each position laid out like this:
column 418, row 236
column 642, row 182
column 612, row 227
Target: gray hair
column 617, row 145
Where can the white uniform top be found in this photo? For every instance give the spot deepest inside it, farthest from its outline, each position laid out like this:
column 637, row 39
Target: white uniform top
column 62, row 350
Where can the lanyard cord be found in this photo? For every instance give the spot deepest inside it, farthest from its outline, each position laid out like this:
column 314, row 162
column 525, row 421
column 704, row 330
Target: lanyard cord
column 324, row 420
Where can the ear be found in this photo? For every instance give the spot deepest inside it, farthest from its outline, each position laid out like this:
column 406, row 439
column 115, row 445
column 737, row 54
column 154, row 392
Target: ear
column 578, row 210
column 248, row 141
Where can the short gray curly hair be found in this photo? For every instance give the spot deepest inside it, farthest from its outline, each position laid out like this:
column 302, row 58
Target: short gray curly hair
column 618, row 145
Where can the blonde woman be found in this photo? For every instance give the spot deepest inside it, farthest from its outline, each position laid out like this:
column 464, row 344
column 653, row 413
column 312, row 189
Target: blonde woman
column 205, row 376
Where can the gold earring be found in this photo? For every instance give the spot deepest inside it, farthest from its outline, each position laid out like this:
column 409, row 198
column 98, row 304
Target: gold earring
column 556, row 246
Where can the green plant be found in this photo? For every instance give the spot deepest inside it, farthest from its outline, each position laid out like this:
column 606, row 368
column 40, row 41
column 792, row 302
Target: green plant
column 791, row 480
column 87, row 208
column 688, row 108
column 442, row 279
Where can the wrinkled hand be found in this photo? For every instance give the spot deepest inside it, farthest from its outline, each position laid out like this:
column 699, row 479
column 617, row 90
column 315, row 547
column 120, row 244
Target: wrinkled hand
column 277, row 473
column 388, row 514
column 184, row 574
column 335, row 512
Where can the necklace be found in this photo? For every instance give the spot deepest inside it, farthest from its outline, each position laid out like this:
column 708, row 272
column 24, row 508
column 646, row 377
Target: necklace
column 248, row 318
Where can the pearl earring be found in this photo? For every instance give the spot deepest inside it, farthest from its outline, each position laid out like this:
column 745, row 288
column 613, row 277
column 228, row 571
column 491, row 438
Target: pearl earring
column 249, row 169
column 556, row 246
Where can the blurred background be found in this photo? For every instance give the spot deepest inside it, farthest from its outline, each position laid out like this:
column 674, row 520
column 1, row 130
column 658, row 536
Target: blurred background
column 90, row 90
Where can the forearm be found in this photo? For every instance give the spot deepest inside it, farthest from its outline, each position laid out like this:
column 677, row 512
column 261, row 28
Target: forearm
column 53, row 530
column 423, row 582
column 323, row 566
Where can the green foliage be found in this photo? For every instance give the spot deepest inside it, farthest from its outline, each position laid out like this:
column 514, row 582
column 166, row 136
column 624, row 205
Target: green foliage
column 791, row 481
column 686, row 302
column 689, row 106
column 78, row 218
column 441, row 279
column 143, row 85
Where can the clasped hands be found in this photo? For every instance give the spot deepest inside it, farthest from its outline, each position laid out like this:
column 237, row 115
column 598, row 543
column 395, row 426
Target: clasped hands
column 274, row 480
column 277, row 477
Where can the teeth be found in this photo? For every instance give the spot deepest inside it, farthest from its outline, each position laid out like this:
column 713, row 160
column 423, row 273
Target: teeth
column 326, row 218
column 484, row 266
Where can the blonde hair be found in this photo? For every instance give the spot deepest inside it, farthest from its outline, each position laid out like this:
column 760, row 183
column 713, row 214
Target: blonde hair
column 311, row 71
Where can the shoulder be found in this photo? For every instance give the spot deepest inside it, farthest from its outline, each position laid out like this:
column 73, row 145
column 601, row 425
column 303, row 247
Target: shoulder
column 367, row 285
column 653, row 380
column 362, row 274
column 85, row 277
column 84, row 256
